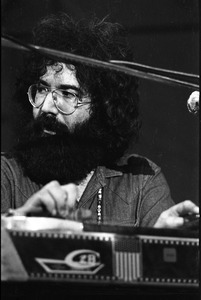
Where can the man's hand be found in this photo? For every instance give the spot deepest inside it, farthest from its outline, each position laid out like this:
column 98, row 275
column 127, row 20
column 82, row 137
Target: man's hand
column 54, row 200
column 174, row 217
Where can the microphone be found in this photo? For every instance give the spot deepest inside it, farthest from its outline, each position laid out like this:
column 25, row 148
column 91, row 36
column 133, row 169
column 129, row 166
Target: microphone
column 193, row 102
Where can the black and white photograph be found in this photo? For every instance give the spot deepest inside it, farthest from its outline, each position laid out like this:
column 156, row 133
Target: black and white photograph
column 100, row 149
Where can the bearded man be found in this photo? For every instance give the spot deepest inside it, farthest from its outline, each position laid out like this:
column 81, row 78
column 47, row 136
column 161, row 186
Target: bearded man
column 76, row 124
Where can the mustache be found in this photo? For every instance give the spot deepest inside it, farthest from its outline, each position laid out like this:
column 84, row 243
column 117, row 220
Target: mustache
column 89, row 129
column 91, row 132
column 86, row 132
column 50, row 123
column 34, row 131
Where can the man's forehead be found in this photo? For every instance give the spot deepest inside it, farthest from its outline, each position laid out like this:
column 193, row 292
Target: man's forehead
column 60, row 71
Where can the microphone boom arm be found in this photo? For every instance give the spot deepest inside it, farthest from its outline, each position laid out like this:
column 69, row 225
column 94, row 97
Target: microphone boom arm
column 146, row 72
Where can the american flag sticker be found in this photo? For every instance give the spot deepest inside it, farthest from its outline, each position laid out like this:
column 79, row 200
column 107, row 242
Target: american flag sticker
column 127, row 259
column 128, row 267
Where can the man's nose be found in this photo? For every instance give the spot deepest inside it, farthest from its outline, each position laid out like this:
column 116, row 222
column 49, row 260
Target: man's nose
column 48, row 105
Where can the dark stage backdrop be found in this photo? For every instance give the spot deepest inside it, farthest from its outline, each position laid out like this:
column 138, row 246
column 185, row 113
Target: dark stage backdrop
column 163, row 33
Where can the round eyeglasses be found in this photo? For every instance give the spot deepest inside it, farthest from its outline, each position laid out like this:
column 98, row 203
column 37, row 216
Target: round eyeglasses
column 66, row 102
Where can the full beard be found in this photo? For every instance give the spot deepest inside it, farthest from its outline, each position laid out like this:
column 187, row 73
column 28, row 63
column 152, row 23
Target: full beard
column 66, row 156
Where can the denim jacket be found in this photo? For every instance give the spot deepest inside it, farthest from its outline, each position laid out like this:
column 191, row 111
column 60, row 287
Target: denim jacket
column 134, row 192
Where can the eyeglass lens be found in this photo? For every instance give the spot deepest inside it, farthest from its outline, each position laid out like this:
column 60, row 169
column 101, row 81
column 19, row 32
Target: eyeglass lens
column 65, row 101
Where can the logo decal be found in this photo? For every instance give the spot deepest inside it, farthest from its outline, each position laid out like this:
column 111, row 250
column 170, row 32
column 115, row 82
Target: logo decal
column 83, row 261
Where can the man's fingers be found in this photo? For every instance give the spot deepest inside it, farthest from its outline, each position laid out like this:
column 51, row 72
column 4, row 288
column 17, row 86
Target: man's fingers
column 82, row 214
column 71, row 191
column 175, row 216
column 185, row 207
column 59, row 197
column 38, row 204
column 174, row 222
column 64, row 197
column 53, row 198
column 56, row 200
column 167, row 221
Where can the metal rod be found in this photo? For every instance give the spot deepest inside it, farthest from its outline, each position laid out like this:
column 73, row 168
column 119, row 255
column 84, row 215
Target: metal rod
column 65, row 57
column 146, row 68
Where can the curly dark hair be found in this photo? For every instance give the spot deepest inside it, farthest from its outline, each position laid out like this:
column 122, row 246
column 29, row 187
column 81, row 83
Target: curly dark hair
column 114, row 95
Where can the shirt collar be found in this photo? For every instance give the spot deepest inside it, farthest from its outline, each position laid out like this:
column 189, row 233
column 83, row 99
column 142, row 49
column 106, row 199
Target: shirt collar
column 103, row 172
